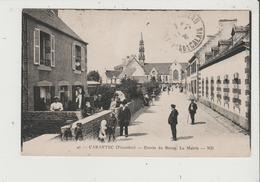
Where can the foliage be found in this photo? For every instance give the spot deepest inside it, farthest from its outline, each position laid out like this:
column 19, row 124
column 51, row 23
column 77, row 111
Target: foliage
column 151, row 86
column 130, row 88
column 107, row 93
column 93, row 76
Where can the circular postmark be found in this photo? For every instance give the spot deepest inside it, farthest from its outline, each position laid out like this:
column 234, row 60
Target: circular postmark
column 188, row 32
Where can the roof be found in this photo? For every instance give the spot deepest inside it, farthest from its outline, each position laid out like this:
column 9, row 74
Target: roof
column 236, row 29
column 48, row 17
column 225, row 42
column 113, row 73
column 161, row 68
column 240, row 45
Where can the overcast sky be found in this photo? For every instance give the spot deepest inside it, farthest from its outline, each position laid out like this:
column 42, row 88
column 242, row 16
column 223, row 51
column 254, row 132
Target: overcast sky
column 112, row 35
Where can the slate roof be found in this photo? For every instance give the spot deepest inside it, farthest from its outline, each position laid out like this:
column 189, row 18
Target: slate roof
column 48, row 17
column 240, row 45
column 161, row 68
column 112, row 73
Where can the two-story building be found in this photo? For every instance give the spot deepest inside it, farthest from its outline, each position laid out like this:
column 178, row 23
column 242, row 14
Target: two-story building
column 225, row 77
column 54, row 61
column 207, row 49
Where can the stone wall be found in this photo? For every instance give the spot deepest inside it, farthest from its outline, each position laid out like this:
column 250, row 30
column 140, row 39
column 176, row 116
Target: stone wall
column 91, row 124
column 35, row 123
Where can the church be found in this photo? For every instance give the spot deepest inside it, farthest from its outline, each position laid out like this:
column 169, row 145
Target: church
column 137, row 69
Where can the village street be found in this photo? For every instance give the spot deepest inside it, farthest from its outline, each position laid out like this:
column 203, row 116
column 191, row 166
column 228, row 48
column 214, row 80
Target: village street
column 150, row 135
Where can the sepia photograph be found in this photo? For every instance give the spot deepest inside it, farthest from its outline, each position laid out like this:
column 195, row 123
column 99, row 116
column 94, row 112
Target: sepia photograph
column 136, row 82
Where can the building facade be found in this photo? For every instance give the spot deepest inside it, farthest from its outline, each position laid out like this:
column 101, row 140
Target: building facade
column 54, row 61
column 225, row 77
column 210, row 47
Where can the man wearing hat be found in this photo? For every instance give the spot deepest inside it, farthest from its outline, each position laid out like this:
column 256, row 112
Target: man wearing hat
column 56, row 105
column 192, row 110
column 124, row 117
column 173, row 121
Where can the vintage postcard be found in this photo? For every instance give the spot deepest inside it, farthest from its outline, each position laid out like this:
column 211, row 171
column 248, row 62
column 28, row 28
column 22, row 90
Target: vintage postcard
column 128, row 82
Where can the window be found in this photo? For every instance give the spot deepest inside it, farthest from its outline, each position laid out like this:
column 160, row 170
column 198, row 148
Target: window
column 193, row 67
column 175, row 75
column 78, row 58
column 207, row 88
column 212, row 89
column 43, row 97
column 236, row 90
column 44, row 48
column 218, row 89
column 202, row 87
column 226, row 89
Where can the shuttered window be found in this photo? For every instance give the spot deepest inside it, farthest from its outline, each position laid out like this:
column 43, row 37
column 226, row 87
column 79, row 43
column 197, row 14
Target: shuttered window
column 52, row 51
column 78, row 57
column 44, row 48
column 36, row 55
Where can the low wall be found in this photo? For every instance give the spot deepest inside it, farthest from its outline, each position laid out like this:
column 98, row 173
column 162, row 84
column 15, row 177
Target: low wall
column 35, row 123
column 235, row 118
column 91, row 124
column 135, row 105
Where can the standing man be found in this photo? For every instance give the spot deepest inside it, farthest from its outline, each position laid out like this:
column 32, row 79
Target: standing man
column 124, row 118
column 192, row 110
column 173, row 121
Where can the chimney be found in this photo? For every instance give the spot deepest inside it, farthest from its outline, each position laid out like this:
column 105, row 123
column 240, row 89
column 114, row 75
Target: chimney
column 225, row 27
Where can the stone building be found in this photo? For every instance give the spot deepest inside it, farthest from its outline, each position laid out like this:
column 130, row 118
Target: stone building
column 193, row 85
column 54, row 61
column 225, row 77
column 166, row 73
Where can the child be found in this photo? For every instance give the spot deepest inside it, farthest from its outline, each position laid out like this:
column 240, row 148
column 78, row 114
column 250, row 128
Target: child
column 102, row 132
column 67, row 133
column 111, row 126
column 78, row 132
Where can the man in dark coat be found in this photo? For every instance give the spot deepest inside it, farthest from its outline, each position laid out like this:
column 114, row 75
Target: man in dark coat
column 173, row 121
column 124, row 117
column 192, row 110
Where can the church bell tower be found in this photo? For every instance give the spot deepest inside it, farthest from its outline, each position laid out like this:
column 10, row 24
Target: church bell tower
column 141, row 56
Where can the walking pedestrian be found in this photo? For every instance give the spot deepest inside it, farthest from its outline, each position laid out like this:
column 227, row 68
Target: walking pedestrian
column 192, row 110
column 173, row 121
column 124, row 117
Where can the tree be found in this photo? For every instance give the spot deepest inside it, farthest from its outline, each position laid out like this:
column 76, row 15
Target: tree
column 129, row 88
column 93, row 76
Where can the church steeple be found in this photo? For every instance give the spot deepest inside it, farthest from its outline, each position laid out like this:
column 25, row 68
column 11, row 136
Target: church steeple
column 141, row 56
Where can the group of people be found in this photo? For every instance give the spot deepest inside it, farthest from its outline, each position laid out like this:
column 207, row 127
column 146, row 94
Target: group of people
column 173, row 117
column 121, row 116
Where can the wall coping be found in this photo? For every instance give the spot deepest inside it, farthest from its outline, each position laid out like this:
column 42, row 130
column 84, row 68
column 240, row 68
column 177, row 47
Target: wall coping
column 88, row 119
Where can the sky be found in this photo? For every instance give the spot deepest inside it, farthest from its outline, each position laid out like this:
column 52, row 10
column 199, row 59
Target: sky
column 114, row 34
